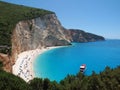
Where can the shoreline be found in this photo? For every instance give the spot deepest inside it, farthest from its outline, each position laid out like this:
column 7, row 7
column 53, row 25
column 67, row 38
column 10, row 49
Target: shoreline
column 23, row 66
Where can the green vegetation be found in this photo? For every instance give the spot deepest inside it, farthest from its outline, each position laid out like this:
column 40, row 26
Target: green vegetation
column 10, row 14
column 11, row 82
column 1, row 65
column 109, row 79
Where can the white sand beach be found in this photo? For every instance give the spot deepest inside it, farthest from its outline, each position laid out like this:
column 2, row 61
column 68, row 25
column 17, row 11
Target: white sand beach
column 23, row 66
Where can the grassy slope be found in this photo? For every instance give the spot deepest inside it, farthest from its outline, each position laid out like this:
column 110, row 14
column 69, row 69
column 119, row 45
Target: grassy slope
column 10, row 14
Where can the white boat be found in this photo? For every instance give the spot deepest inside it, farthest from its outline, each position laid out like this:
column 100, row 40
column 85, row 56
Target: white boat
column 83, row 68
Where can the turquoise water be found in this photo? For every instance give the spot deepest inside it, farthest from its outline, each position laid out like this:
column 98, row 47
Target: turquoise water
column 55, row 64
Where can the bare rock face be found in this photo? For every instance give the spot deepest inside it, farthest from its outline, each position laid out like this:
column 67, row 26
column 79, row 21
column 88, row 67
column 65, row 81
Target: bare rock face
column 40, row 32
column 6, row 62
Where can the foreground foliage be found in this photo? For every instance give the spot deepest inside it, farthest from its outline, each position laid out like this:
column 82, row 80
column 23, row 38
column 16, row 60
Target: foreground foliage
column 109, row 79
column 10, row 82
column 10, row 14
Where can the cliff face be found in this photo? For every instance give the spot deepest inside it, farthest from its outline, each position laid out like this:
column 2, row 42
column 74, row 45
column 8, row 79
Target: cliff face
column 36, row 33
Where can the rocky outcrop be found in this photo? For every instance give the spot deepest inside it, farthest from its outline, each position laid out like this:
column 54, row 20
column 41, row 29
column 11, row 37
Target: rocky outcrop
column 6, row 62
column 76, row 35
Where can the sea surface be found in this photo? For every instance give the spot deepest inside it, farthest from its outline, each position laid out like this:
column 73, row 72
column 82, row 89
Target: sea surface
column 57, row 63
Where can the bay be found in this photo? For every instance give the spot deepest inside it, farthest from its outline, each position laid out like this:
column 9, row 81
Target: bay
column 57, row 63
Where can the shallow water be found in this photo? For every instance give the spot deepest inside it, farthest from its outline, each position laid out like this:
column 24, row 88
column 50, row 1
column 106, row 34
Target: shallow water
column 55, row 64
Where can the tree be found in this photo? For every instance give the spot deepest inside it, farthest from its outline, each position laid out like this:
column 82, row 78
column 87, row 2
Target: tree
column 1, row 65
column 94, row 82
column 36, row 84
column 46, row 84
column 10, row 82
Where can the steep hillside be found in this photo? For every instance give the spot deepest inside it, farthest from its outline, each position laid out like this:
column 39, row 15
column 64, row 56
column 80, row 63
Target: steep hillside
column 82, row 36
column 10, row 14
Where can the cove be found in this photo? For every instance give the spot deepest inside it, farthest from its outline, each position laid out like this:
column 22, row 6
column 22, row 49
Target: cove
column 57, row 63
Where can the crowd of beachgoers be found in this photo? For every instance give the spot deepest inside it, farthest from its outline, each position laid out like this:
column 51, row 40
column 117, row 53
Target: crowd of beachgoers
column 23, row 66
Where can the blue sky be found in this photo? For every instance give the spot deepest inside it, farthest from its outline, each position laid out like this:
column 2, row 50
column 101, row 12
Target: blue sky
column 101, row 17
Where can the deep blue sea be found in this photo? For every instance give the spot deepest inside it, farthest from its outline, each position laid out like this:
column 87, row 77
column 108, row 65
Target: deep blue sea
column 57, row 63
